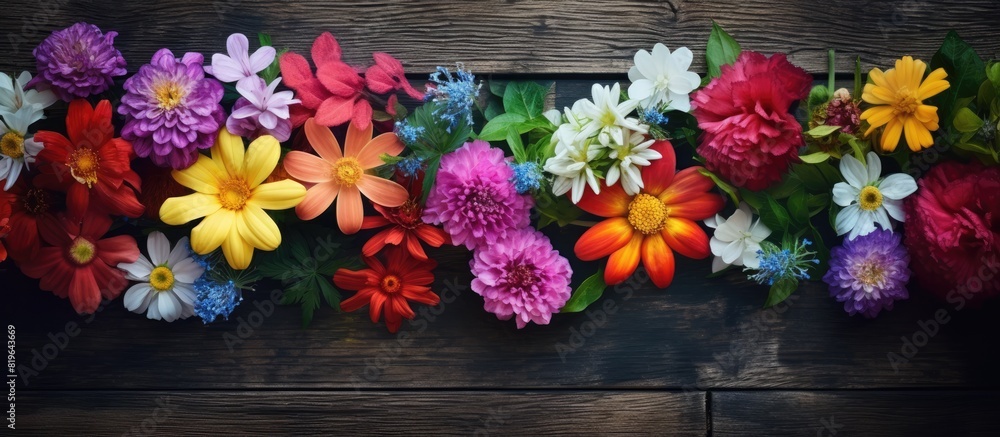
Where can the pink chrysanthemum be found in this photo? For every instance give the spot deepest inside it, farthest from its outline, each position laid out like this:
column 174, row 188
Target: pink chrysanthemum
column 522, row 275
column 474, row 199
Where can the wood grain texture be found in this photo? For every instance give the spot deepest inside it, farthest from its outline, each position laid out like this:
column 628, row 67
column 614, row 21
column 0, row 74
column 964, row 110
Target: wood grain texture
column 872, row 413
column 338, row 413
column 519, row 36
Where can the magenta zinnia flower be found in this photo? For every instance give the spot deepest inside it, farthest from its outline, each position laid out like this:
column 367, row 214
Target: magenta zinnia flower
column 522, row 275
column 171, row 109
column 474, row 199
column 77, row 62
column 869, row 273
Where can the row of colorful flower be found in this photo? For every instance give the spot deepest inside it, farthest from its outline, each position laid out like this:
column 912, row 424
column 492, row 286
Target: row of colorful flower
column 432, row 179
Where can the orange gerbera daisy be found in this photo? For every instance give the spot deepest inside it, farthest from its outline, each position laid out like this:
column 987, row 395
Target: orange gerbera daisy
column 334, row 174
column 650, row 225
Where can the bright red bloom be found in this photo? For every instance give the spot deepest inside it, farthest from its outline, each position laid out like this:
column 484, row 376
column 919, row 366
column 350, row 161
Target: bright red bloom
column 91, row 166
column 29, row 206
column 80, row 265
column 4, row 226
column 388, row 288
column 749, row 136
column 337, row 92
column 953, row 232
column 406, row 229
column 651, row 225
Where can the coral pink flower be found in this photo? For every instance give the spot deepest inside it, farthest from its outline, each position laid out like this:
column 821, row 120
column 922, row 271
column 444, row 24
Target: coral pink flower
column 749, row 136
column 344, row 174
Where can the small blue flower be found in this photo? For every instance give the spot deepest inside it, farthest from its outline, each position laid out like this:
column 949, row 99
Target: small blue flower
column 407, row 133
column 455, row 93
column 215, row 299
column 778, row 263
column 527, row 177
column 410, row 166
column 652, row 116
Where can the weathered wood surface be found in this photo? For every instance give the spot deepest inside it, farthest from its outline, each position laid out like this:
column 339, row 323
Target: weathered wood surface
column 519, row 36
column 479, row 413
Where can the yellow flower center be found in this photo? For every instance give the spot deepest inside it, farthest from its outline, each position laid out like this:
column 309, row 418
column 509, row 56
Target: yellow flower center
column 647, row 214
column 871, row 274
column 391, row 284
column 347, row 171
column 905, row 102
column 83, row 166
column 233, row 194
column 82, row 251
column 168, row 95
column 12, row 145
column 161, row 278
column 870, row 198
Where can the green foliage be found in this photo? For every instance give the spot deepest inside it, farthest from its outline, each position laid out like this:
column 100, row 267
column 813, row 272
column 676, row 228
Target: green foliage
column 780, row 291
column 274, row 70
column 523, row 108
column 966, row 72
column 721, row 50
column 587, row 293
column 436, row 140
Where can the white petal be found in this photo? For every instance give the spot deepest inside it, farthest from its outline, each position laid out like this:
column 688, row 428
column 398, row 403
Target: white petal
column 169, row 305
column 718, row 264
column 154, row 307
column 883, row 219
column 854, row 172
column 847, row 219
column 844, row 194
column 187, row 271
column 640, row 89
column 180, row 252
column 682, row 58
column 874, row 166
column 727, row 232
column 897, row 186
column 732, row 252
column 612, row 177
column 895, row 209
column 137, row 271
column 137, row 297
column 158, row 247
column 750, row 258
column 185, row 294
column 680, row 102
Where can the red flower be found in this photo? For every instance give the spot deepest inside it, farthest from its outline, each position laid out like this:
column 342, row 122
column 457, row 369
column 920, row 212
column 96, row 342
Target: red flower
column 29, row 207
column 407, row 228
column 4, row 226
column 91, row 165
column 388, row 288
column 79, row 264
column 953, row 232
column 337, row 93
column 749, row 136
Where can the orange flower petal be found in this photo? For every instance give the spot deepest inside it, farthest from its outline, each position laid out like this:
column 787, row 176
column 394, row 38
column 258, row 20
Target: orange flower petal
column 603, row 239
column 687, row 185
column 623, row 262
column 322, row 141
column 658, row 260
column 382, row 191
column 686, row 237
column 612, row 202
column 356, row 139
column 698, row 208
column 350, row 212
column 306, row 167
column 371, row 155
column 317, row 200
column 660, row 173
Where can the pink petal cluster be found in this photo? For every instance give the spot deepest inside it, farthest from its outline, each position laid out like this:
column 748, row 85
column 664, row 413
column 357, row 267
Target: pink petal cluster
column 240, row 66
column 474, row 199
column 953, row 232
column 749, row 136
column 261, row 111
column 522, row 275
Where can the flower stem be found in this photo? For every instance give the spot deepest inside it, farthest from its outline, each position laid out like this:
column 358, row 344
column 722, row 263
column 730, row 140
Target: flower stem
column 832, row 72
column 584, row 223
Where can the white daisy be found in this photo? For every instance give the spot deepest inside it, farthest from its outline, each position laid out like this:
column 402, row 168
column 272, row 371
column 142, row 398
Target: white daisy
column 631, row 155
column 17, row 148
column 572, row 167
column 165, row 289
column 14, row 97
column 736, row 239
column 662, row 77
column 608, row 118
column 868, row 200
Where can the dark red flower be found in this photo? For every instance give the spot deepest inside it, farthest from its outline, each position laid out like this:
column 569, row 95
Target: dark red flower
column 29, row 207
column 953, row 232
column 389, row 288
column 4, row 226
column 406, row 228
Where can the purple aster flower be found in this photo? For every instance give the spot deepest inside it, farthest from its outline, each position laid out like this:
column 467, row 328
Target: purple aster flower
column 869, row 273
column 521, row 275
column 474, row 199
column 171, row 109
column 261, row 111
column 77, row 62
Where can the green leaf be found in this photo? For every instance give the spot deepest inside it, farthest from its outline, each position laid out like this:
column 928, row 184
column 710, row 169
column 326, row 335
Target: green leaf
column 754, row 199
column 774, row 215
column 966, row 71
column 967, row 121
column 496, row 129
column 723, row 185
column 525, row 98
column 430, row 175
column 516, row 145
column 815, row 158
column 498, row 87
column 780, row 291
column 493, row 109
column 554, row 209
column 819, row 95
column 822, row 131
column 587, row 293
column 798, row 209
column 721, row 50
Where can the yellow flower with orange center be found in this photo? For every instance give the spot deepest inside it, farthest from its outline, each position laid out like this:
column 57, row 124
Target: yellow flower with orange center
column 231, row 197
column 899, row 96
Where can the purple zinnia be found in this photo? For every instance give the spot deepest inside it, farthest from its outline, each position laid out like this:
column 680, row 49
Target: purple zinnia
column 869, row 273
column 77, row 62
column 522, row 275
column 171, row 109
column 474, row 199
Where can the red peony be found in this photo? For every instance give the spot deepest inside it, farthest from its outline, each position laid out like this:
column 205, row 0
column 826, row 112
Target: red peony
column 953, row 232
column 749, row 136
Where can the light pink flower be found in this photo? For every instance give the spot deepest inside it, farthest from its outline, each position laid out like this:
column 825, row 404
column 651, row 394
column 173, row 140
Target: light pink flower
column 261, row 111
column 240, row 64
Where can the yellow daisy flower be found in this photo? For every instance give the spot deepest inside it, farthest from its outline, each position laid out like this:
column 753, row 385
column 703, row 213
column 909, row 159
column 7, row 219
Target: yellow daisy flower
column 231, row 197
column 899, row 94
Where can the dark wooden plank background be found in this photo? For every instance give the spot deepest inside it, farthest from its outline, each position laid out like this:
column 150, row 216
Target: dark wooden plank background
column 698, row 358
